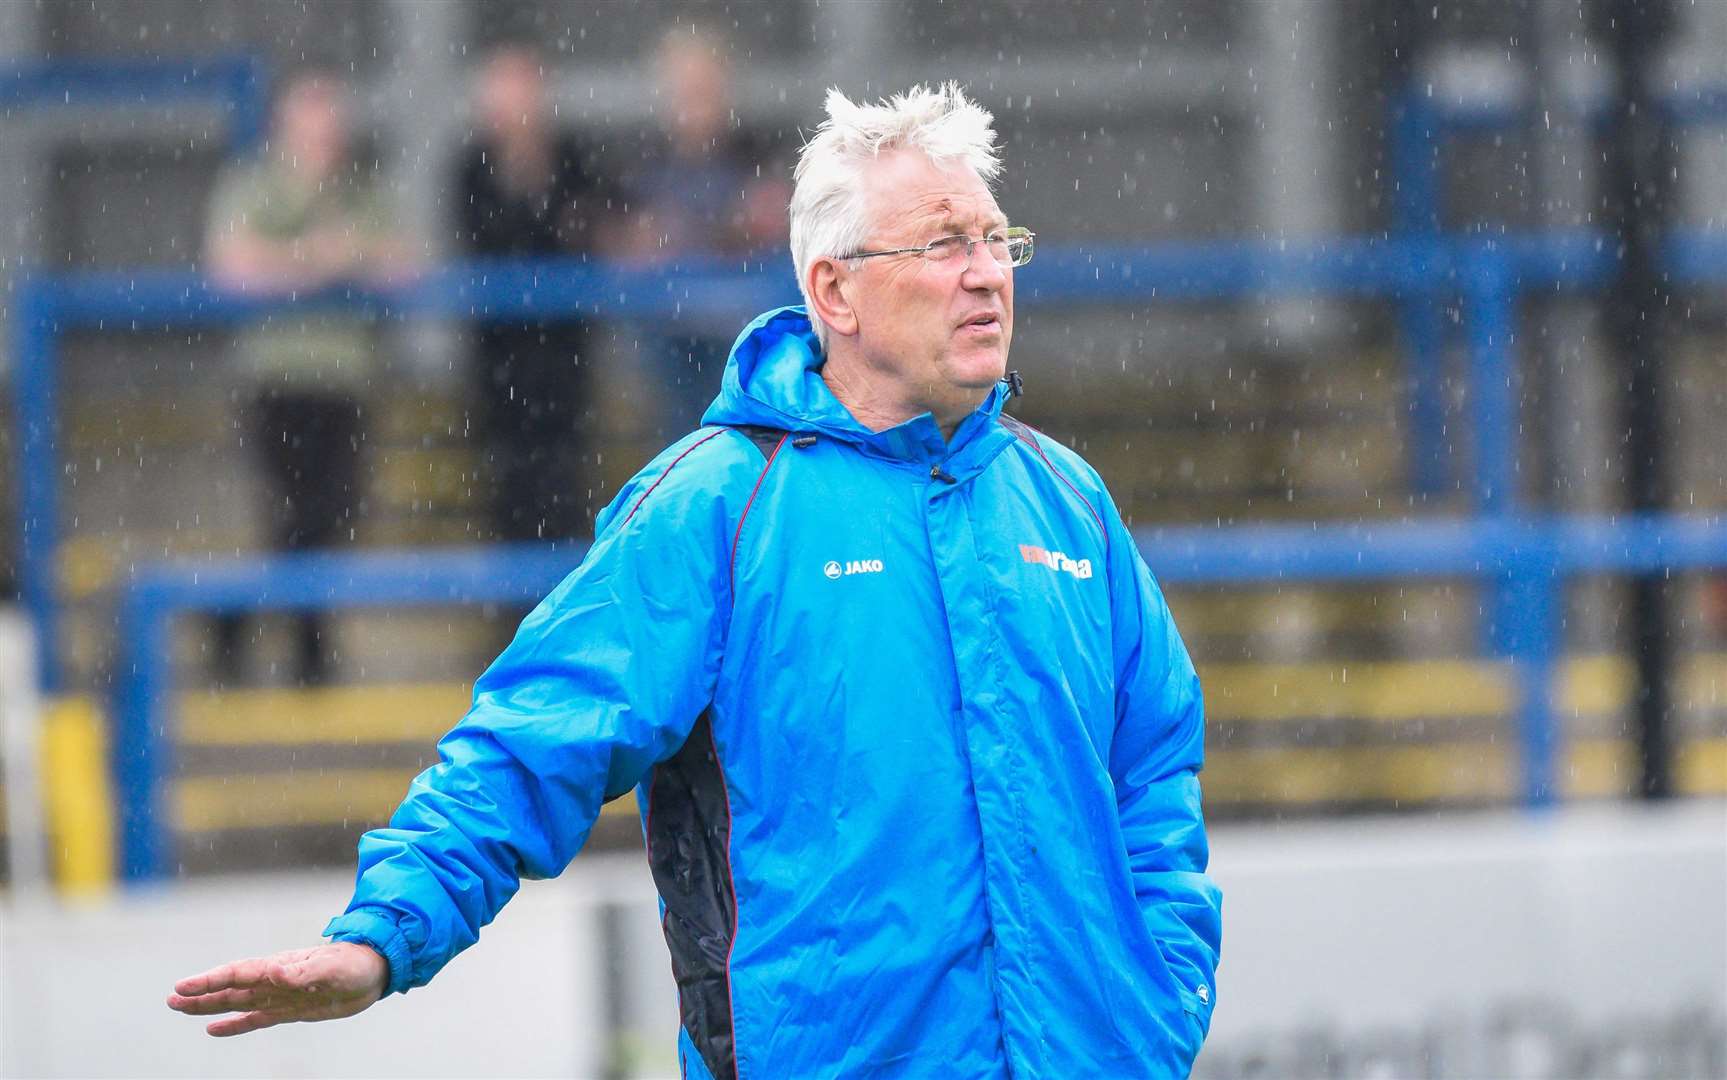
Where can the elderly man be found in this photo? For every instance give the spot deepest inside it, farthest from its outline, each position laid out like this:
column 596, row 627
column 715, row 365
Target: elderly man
column 913, row 736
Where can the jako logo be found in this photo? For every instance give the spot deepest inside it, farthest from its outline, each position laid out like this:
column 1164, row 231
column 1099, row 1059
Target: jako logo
column 852, row 566
column 1055, row 560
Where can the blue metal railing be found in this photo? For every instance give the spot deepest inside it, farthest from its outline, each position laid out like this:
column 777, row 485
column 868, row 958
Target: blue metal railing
column 142, row 723
column 1489, row 274
column 48, row 306
column 1528, row 560
column 1420, row 127
column 240, row 84
column 1524, row 562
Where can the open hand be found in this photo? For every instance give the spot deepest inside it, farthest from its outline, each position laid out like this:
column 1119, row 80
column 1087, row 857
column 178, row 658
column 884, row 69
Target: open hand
column 326, row 982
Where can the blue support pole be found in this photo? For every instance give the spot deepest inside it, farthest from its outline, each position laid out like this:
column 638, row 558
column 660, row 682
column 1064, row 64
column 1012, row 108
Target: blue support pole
column 249, row 102
column 1490, row 318
column 1533, row 596
column 1417, row 208
column 37, row 423
column 141, row 750
column 1489, row 305
column 1430, row 446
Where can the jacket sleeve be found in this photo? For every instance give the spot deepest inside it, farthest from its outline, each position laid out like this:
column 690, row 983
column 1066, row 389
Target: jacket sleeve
column 605, row 678
column 1155, row 760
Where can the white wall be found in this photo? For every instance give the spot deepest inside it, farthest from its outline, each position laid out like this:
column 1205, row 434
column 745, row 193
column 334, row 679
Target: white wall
column 1587, row 942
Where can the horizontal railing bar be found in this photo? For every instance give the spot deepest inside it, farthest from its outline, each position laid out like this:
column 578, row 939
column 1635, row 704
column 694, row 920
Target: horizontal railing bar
column 158, row 299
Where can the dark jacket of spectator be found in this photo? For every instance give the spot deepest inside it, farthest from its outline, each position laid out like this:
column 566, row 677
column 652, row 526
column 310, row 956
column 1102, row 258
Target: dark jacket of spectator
column 532, row 386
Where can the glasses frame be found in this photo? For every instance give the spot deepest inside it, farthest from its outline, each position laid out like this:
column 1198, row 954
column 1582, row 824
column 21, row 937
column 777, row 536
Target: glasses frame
column 1010, row 234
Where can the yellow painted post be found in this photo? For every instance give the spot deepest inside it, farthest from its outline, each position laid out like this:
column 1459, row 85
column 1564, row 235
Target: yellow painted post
column 80, row 801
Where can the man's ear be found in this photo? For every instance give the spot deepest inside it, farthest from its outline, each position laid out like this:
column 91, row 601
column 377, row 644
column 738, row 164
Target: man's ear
column 828, row 300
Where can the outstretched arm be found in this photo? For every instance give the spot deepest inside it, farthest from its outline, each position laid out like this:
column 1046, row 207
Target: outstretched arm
column 603, row 681
column 327, row 982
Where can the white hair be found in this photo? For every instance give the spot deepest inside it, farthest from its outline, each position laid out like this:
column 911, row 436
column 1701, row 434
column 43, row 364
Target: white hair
column 828, row 213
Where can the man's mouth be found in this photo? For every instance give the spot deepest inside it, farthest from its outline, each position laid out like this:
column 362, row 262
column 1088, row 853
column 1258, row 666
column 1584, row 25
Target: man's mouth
column 987, row 320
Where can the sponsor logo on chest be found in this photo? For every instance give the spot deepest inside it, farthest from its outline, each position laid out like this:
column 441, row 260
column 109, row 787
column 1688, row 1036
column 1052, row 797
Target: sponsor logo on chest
column 1055, row 560
column 837, row 569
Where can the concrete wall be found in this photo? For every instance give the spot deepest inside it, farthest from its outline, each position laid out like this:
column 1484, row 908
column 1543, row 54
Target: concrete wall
column 1589, row 942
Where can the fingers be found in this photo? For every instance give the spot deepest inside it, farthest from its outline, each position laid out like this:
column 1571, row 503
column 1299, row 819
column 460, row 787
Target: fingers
column 223, row 1001
column 240, row 973
column 217, row 1001
column 281, row 1011
column 253, row 972
column 251, row 1021
column 305, row 975
column 281, row 975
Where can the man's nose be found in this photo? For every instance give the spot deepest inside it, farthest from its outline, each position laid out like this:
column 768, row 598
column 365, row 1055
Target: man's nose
column 982, row 271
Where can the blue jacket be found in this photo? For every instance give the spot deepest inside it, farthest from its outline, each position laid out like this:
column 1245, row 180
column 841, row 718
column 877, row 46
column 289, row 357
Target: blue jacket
column 913, row 736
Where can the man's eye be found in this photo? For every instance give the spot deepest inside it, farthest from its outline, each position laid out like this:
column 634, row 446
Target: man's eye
column 946, row 247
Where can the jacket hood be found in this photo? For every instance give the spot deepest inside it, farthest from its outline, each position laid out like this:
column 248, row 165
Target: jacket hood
column 773, row 379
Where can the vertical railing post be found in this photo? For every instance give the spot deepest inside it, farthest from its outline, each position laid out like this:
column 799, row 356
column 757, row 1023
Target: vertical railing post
column 1490, row 323
column 37, row 412
column 140, row 731
column 1525, row 596
column 1534, row 591
column 249, row 102
column 1489, row 313
column 1417, row 210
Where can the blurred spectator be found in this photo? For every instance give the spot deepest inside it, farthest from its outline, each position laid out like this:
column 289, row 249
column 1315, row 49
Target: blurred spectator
column 527, row 191
column 1715, row 606
column 702, row 186
column 304, row 217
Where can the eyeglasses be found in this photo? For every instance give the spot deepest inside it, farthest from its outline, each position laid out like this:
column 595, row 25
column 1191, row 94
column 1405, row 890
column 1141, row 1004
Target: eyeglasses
column 1008, row 247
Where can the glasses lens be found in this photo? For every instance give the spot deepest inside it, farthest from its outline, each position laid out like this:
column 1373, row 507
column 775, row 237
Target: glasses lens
column 946, row 248
column 1019, row 249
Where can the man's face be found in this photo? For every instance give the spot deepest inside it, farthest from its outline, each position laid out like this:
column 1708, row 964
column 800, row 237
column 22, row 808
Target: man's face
column 511, row 92
column 939, row 330
column 312, row 124
column 695, row 90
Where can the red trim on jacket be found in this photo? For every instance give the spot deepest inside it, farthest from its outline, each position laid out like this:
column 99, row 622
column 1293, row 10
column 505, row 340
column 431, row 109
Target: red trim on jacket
column 665, row 474
column 1028, row 435
column 732, row 575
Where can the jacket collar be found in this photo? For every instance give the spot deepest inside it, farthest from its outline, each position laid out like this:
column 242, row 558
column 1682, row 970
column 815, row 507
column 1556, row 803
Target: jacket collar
column 773, row 379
